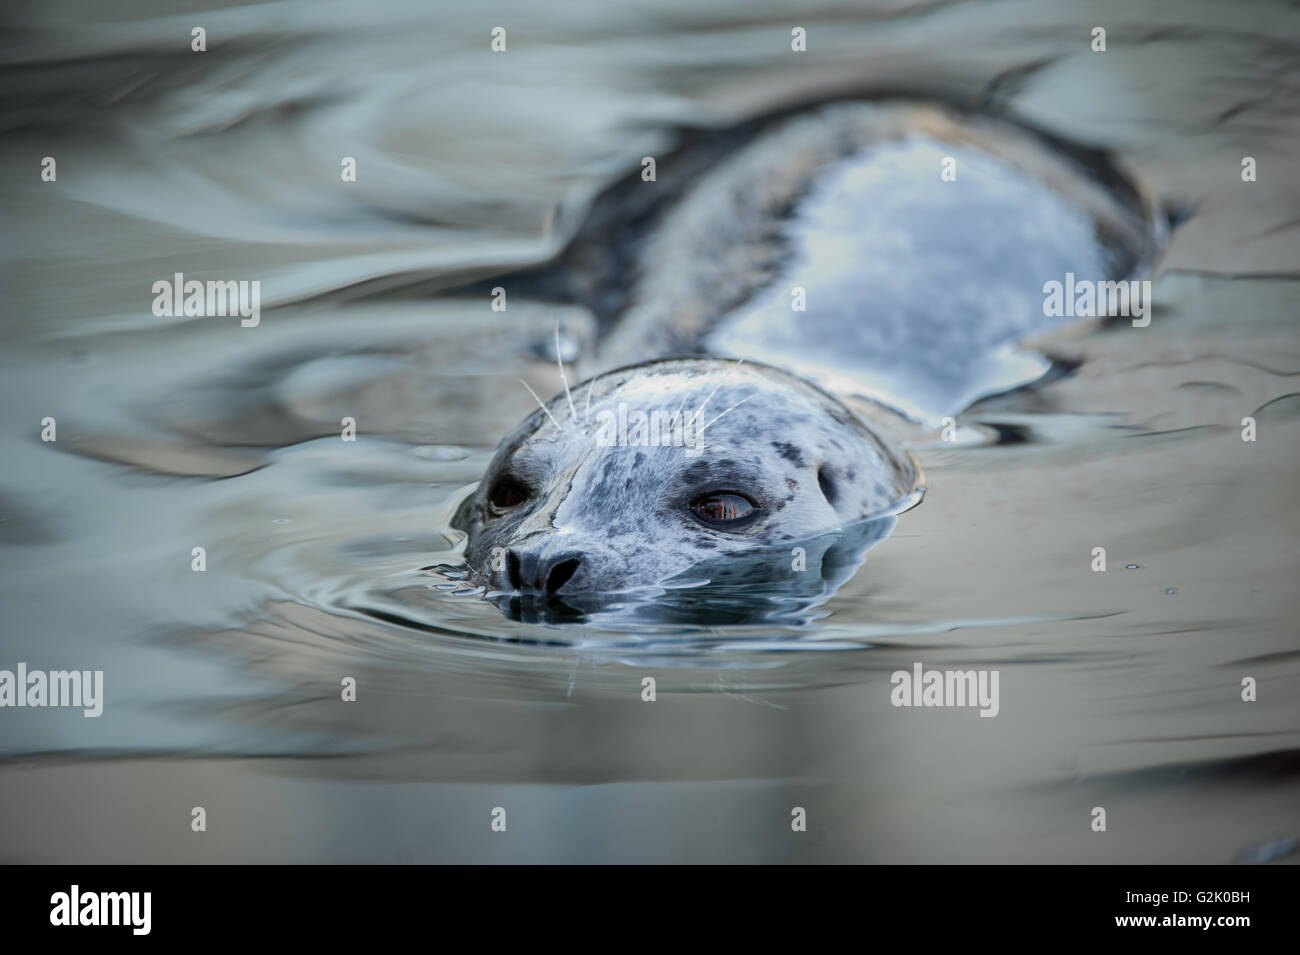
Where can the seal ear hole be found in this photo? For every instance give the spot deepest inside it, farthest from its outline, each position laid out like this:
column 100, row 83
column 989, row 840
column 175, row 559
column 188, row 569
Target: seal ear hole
column 508, row 492
column 826, row 481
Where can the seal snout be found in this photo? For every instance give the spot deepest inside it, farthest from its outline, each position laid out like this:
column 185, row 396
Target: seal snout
column 535, row 571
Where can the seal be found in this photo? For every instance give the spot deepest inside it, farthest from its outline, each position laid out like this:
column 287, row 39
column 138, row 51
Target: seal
column 637, row 477
column 894, row 251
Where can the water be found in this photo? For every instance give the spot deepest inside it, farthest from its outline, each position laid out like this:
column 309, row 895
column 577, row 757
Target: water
column 1119, row 689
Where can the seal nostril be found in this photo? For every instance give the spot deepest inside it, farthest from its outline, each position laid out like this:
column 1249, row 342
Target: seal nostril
column 561, row 574
column 513, row 573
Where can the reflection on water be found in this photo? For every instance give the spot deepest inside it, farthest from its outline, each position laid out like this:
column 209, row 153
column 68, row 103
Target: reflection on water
column 1119, row 688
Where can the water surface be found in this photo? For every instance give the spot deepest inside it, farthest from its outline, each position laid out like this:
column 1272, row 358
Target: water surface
column 1118, row 689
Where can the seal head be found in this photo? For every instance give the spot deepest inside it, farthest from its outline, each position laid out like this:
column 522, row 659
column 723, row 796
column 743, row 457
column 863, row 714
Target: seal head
column 641, row 475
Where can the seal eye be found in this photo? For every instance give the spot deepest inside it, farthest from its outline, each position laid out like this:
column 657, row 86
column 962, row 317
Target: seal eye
column 723, row 508
column 506, row 493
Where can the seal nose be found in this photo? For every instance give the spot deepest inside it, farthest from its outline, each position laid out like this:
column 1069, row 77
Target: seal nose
column 528, row 572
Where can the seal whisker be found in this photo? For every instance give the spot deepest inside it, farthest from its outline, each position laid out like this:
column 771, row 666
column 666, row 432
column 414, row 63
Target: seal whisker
column 559, row 360
column 541, row 404
column 715, row 389
column 700, row 433
column 591, row 386
column 680, row 404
